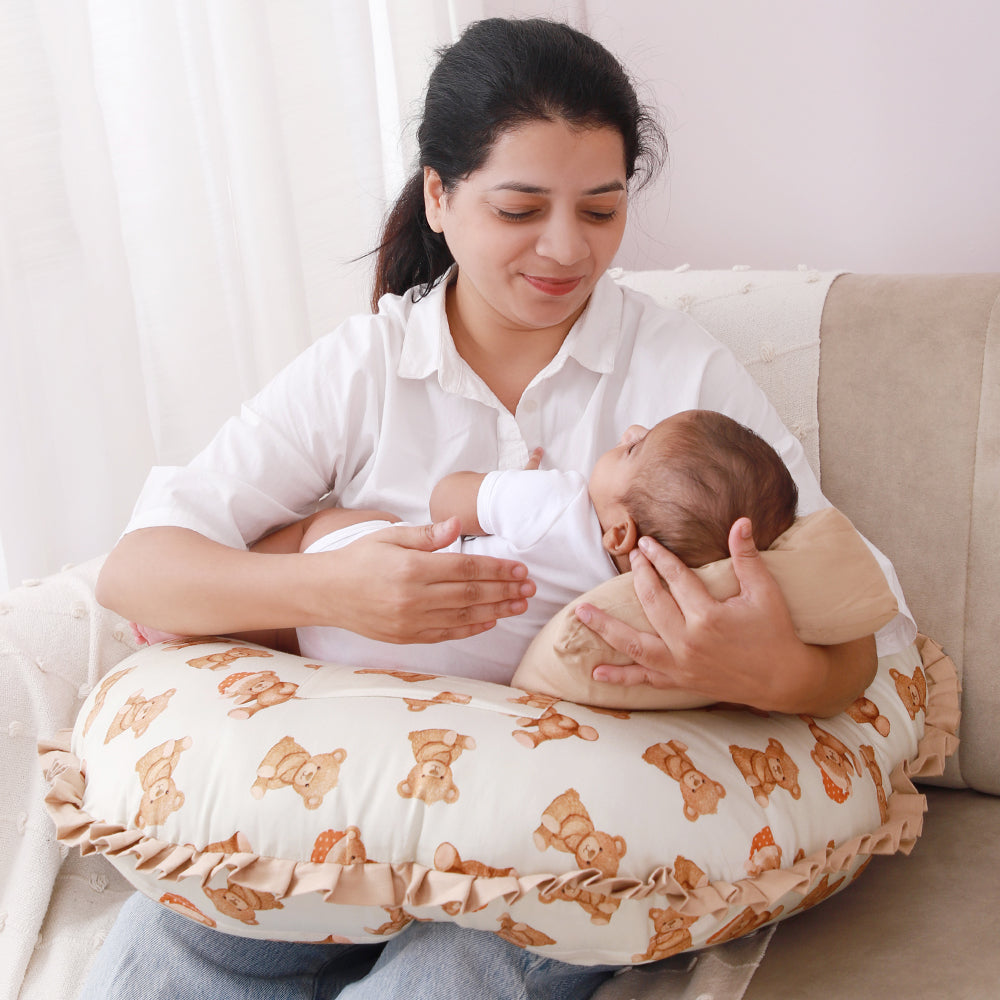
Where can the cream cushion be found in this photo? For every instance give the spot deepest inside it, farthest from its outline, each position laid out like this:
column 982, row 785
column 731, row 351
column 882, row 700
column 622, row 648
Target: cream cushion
column 831, row 582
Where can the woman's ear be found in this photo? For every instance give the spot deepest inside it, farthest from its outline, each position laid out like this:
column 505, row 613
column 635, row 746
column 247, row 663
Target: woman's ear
column 621, row 538
column 434, row 195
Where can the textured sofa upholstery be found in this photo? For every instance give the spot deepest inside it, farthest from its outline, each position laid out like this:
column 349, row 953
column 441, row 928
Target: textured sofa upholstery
column 909, row 404
column 909, row 440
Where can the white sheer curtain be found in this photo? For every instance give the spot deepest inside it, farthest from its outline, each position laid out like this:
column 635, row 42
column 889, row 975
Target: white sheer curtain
column 184, row 185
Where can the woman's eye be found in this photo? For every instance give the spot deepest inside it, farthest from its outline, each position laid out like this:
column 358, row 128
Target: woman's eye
column 603, row 216
column 514, row 216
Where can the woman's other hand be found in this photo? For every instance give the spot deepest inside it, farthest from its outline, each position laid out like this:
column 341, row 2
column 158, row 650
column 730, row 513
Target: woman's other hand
column 741, row 650
column 392, row 586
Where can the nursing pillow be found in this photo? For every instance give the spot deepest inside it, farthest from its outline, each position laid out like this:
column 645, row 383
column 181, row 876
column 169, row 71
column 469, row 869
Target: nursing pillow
column 831, row 582
column 268, row 796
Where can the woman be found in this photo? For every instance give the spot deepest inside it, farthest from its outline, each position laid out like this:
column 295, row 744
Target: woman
column 496, row 330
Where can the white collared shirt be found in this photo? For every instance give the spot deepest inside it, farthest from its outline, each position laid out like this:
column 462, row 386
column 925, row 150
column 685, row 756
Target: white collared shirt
column 376, row 412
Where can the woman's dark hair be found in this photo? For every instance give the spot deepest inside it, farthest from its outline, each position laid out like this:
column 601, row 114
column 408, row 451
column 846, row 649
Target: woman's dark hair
column 502, row 74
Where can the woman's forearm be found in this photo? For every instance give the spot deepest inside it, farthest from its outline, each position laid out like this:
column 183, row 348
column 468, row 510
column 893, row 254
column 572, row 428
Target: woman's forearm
column 179, row 581
column 839, row 676
column 390, row 585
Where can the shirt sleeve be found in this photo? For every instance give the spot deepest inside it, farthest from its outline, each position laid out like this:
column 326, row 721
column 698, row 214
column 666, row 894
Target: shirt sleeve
column 523, row 506
column 311, row 427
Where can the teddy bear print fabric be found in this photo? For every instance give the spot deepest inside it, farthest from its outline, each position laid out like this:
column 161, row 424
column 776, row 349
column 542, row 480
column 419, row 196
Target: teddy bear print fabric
column 265, row 795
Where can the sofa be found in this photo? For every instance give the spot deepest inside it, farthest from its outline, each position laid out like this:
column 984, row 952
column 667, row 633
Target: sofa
column 893, row 383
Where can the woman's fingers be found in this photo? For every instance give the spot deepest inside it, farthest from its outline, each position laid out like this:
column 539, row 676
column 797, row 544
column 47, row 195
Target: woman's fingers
column 723, row 647
column 644, row 649
column 421, row 595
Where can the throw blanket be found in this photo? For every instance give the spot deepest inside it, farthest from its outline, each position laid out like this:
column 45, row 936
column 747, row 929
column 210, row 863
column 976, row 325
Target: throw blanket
column 769, row 319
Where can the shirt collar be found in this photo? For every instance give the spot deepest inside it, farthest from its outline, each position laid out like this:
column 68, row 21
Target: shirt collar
column 427, row 345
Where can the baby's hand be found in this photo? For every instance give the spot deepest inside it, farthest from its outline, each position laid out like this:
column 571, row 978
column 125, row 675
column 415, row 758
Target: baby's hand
column 534, row 460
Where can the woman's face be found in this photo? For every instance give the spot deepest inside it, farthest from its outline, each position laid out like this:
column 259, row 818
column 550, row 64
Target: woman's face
column 534, row 228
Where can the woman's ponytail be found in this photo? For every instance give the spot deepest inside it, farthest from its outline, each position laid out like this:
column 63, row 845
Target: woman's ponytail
column 410, row 254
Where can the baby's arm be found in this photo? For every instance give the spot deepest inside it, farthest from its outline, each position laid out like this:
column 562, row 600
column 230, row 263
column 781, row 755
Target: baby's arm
column 457, row 495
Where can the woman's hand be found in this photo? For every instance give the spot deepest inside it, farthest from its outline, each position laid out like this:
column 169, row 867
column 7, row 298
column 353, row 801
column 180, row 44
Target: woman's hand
column 391, row 586
column 741, row 650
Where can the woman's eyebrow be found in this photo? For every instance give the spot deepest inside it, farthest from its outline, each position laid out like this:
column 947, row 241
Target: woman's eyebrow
column 522, row 188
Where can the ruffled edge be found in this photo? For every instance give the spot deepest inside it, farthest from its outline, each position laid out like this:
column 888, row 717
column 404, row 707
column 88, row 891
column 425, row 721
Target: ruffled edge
column 411, row 884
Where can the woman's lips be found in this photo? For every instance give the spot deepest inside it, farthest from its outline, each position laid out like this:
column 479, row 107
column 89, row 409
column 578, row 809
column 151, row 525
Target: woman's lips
column 552, row 286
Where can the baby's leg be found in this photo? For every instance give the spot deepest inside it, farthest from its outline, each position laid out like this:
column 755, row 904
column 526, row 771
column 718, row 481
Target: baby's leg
column 325, row 522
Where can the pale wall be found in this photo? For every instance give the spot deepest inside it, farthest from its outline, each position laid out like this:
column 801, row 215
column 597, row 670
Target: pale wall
column 861, row 134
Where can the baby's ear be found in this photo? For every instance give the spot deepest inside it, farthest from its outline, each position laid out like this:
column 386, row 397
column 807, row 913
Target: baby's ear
column 620, row 539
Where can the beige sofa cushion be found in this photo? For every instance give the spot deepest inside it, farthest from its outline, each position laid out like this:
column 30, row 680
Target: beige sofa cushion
column 909, row 403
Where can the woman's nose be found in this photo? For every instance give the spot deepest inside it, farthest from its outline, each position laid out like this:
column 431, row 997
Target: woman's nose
column 562, row 240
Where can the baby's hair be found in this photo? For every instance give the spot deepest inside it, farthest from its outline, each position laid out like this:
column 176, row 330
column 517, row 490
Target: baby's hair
column 717, row 471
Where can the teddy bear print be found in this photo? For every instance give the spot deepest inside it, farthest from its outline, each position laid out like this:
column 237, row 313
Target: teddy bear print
column 535, row 699
column 253, row 692
column 102, row 693
column 447, row 859
column 859, row 871
column 671, row 935
column 225, row 657
column 409, row 676
column 766, row 770
column 521, row 934
column 688, row 875
column 430, row 779
column 183, row 906
column 241, row 903
column 765, row 854
column 614, row 713
column 835, row 762
column 823, row 889
column 868, row 756
column 599, row 908
column 700, row 793
column 566, row 825
column 912, row 691
column 238, row 843
column 441, row 698
column 340, row 847
column 745, row 923
column 864, row 710
column 287, row 765
column 160, row 796
column 187, row 641
column 138, row 713
column 398, row 919
column 551, row 725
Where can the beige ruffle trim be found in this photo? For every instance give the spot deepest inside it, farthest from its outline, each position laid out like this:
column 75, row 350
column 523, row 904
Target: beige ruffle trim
column 411, row 884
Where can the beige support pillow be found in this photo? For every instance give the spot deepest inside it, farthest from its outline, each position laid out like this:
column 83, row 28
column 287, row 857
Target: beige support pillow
column 832, row 584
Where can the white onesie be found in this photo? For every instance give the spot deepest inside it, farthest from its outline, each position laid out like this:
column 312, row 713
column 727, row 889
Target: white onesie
column 542, row 518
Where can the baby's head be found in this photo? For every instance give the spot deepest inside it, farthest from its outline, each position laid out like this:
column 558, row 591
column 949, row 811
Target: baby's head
column 685, row 482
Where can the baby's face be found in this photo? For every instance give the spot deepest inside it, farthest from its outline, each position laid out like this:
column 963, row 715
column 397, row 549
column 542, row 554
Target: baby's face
column 616, row 470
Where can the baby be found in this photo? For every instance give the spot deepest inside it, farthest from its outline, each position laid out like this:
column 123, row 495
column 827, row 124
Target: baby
column 683, row 482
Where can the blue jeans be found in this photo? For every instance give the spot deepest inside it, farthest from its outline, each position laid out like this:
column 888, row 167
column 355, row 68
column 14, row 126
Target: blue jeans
column 155, row 954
